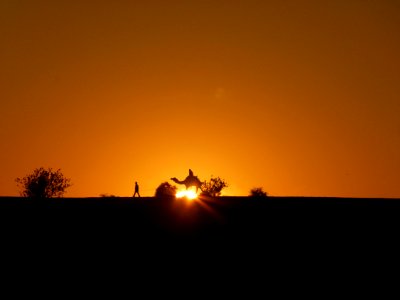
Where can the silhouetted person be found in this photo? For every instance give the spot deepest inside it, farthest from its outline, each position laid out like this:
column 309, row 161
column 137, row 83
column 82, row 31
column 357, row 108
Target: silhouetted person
column 136, row 190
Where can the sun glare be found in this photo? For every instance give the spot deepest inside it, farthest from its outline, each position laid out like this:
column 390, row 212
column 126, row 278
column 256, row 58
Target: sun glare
column 186, row 194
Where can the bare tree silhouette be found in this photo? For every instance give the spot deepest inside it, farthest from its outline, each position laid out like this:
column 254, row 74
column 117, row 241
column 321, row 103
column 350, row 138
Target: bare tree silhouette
column 213, row 187
column 43, row 183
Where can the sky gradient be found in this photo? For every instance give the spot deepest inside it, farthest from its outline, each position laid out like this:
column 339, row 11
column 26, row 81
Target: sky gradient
column 298, row 97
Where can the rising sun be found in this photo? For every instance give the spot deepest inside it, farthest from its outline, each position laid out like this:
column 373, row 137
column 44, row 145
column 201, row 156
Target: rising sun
column 186, row 194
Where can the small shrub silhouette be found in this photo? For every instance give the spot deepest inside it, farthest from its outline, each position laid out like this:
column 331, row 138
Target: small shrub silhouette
column 165, row 190
column 107, row 196
column 258, row 193
column 213, row 187
column 43, row 183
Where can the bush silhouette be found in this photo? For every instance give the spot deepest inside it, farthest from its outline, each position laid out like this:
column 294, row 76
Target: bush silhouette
column 165, row 190
column 258, row 193
column 213, row 187
column 43, row 183
column 107, row 196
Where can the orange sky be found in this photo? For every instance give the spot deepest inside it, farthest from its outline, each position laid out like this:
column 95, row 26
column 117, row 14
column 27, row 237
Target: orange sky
column 299, row 97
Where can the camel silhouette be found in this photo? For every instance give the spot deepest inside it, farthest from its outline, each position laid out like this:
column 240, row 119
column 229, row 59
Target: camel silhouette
column 189, row 181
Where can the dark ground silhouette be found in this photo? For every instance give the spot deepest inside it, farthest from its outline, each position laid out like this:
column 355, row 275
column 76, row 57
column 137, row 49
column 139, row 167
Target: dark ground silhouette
column 234, row 239
column 223, row 219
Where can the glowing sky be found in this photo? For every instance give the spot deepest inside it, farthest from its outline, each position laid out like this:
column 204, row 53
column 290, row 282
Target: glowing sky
column 298, row 97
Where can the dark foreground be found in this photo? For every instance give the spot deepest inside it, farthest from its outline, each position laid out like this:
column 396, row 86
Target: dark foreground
column 275, row 236
column 225, row 219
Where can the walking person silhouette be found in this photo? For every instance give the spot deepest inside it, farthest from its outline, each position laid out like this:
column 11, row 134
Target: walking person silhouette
column 136, row 190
